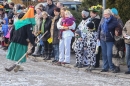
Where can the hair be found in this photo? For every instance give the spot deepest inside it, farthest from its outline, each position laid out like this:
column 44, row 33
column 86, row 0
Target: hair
column 64, row 8
column 119, row 30
column 68, row 13
column 108, row 11
column 44, row 13
column 11, row 3
column 39, row 9
column 117, row 16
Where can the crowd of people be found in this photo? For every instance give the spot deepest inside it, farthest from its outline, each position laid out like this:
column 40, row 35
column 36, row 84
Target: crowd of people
column 95, row 37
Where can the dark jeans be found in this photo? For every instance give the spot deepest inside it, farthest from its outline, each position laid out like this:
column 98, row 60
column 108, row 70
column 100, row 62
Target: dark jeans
column 98, row 57
column 56, row 51
column 47, row 48
column 107, row 55
column 128, row 55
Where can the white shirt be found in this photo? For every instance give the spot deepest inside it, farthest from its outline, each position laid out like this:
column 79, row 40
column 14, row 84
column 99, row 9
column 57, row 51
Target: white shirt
column 66, row 33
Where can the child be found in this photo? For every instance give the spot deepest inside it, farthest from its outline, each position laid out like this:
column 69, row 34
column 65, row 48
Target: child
column 78, row 48
column 118, row 48
column 7, row 37
column 66, row 22
column 4, row 30
column 90, row 43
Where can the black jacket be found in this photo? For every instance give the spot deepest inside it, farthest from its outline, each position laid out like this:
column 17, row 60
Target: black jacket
column 96, row 21
column 55, row 32
column 21, row 35
column 50, row 9
column 47, row 27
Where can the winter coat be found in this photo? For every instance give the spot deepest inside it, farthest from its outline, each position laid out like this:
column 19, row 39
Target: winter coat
column 119, row 47
column 47, row 27
column 50, row 9
column 5, row 27
column 126, row 30
column 37, row 26
column 96, row 21
column 109, row 35
column 55, row 32
column 21, row 35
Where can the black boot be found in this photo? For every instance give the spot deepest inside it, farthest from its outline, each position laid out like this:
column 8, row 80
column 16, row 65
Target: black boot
column 80, row 65
column 116, row 70
column 76, row 65
column 48, row 57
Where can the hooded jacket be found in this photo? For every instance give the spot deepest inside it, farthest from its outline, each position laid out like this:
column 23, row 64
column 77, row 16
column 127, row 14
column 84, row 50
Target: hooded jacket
column 5, row 27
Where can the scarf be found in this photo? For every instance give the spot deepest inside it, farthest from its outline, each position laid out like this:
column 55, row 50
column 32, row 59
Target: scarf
column 105, row 24
column 42, row 28
column 52, row 26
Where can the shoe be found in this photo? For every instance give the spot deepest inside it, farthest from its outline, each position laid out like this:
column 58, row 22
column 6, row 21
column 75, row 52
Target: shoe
column 80, row 65
column 58, row 63
column 96, row 66
column 48, row 58
column 104, row 70
column 54, row 61
column 116, row 70
column 16, row 69
column 5, row 48
column 76, row 65
column 127, row 72
column 64, row 63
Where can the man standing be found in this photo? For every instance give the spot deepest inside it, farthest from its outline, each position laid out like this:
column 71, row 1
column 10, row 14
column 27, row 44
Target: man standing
column 50, row 8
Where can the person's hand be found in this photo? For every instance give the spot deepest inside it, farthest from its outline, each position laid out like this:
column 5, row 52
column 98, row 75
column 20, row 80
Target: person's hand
column 80, row 39
column 66, row 28
column 85, row 48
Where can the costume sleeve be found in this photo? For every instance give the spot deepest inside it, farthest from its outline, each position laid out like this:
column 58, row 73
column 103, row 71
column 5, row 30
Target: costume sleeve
column 30, row 35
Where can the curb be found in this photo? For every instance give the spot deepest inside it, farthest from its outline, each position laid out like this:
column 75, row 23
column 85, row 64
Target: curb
column 95, row 71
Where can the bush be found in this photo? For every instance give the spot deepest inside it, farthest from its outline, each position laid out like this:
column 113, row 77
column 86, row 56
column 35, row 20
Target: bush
column 123, row 7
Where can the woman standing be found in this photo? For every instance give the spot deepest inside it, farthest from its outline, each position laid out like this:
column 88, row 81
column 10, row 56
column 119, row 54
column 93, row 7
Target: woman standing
column 65, row 42
column 83, row 27
column 54, row 34
column 106, row 32
column 46, row 26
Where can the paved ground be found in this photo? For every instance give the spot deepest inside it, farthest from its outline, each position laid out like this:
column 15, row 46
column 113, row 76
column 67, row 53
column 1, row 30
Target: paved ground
column 45, row 74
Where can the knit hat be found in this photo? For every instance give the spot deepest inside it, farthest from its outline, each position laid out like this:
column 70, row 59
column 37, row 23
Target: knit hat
column 114, row 11
column 78, row 32
column 57, row 9
column 90, row 25
column 86, row 13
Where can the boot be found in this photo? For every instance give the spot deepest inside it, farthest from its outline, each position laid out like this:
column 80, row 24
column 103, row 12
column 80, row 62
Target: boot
column 16, row 69
column 48, row 57
column 116, row 70
column 76, row 65
column 80, row 65
column 36, row 51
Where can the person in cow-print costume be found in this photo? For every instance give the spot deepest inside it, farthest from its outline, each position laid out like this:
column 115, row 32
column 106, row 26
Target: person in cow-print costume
column 78, row 47
column 90, row 45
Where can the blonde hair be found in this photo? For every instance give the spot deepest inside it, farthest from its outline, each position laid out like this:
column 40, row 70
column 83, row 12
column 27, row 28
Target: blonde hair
column 108, row 11
column 68, row 13
column 44, row 13
column 64, row 8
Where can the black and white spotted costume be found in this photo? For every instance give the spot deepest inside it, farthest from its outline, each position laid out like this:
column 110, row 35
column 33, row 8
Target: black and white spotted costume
column 78, row 47
column 90, row 43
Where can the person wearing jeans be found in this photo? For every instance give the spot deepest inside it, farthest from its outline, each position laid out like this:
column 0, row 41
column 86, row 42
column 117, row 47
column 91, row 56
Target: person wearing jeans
column 54, row 34
column 107, row 54
column 126, row 34
column 106, row 32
